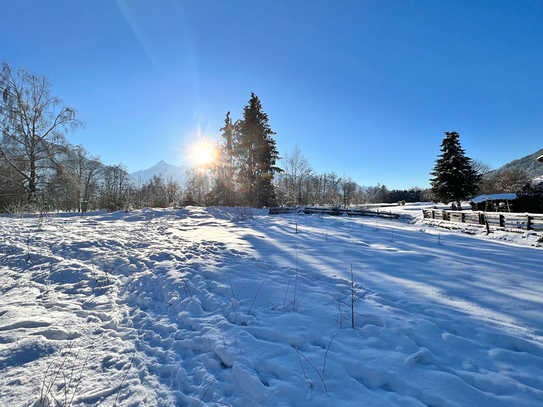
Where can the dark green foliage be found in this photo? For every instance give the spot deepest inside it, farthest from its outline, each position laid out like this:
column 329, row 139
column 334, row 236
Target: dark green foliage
column 247, row 160
column 411, row 195
column 454, row 177
column 530, row 199
column 257, row 154
column 223, row 192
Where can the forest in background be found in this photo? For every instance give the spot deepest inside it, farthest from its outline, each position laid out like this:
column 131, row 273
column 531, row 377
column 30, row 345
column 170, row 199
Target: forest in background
column 40, row 169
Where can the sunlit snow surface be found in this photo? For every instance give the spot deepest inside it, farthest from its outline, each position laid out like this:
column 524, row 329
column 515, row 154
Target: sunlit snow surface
column 150, row 308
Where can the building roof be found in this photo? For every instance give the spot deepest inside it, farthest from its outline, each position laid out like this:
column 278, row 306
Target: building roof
column 495, row 197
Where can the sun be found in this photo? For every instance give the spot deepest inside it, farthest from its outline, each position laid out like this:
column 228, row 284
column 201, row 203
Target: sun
column 203, row 154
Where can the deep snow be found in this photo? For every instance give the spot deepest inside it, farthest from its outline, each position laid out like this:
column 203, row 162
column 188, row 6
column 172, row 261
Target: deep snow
column 150, row 308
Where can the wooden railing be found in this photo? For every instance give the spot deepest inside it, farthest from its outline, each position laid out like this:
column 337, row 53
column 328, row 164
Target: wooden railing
column 335, row 211
column 493, row 219
column 282, row 209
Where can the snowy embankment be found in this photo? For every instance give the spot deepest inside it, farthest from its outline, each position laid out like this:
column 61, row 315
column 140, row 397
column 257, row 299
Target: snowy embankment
column 151, row 308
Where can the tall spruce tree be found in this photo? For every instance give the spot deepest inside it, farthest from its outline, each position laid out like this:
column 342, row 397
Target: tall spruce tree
column 256, row 153
column 223, row 190
column 454, row 179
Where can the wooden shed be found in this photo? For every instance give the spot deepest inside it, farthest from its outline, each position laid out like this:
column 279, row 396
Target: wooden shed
column 494, row 203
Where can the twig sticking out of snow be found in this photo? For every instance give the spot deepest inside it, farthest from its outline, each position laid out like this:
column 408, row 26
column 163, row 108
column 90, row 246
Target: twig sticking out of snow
column 186, row 287
column 46, row 390
column 249, row 312
column 164, row 302
column 340, row 321
column 295, row 282
column 301, row 364
column 353, row 291
column 235, row 296
column 208, row 387
column 326, row 354
column 124, row 378
column 62, row 370
column 313, row 366
column 286, row 294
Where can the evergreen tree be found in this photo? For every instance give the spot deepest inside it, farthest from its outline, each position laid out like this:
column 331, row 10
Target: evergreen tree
column 454, row 177
column 223, row 190
column 256, row 152
column 530, row 198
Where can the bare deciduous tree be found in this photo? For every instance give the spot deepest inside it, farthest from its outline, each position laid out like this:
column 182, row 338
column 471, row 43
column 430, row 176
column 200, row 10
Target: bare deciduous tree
column 32, row 127
column 348, row 188
column 83, row 172
column 297, row 173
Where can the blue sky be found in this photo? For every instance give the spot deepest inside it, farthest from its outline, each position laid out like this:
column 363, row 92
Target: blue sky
column 365, row 88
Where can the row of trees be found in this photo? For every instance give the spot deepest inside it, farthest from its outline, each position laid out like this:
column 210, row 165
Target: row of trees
column 300, row 185
column 37, row 164
column 297, row 184
column 39, row 167
column 457, row 178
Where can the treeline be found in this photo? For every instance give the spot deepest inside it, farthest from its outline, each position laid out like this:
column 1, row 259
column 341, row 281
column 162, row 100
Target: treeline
column 296, row 184
column 300, row 185
column 41, row 170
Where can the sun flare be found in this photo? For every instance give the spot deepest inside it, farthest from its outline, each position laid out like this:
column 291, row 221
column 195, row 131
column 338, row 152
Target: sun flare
column 203, row 154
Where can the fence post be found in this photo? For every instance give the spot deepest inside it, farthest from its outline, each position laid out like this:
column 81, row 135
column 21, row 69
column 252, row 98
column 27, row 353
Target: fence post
column 433, row 214
column 502, row 221
column 463, row 217
column 528, row 222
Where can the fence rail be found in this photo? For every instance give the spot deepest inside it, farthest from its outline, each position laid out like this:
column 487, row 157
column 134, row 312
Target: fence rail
column 334, row 211
column 282, row 209
column 493, row 219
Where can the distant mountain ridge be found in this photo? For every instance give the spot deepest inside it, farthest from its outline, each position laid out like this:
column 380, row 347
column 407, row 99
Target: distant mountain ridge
column 529, row 164
column 161, row 169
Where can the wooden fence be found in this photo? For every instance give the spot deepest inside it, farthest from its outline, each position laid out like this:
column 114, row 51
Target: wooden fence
column 493, row 219
column 278, row 210
column 334, row 211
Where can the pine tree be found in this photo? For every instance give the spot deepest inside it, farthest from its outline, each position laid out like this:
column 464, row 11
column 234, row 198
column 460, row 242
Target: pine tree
column 256, row 152
column 223, row 190
column 454, row 177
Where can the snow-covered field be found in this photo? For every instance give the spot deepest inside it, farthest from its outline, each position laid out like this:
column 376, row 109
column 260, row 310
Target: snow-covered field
column 198, row 307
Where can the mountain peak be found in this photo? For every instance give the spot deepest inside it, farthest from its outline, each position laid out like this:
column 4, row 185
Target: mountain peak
column 162, row 169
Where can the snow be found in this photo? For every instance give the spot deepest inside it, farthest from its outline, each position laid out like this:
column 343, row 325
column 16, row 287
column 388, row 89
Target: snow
column 505, row 197
column 150, row 308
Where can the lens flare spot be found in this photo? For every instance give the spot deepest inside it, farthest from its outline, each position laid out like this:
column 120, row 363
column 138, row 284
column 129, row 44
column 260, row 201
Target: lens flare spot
column 203, row 154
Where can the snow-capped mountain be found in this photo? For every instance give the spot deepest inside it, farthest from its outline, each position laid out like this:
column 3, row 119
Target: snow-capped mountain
column 163, row 169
